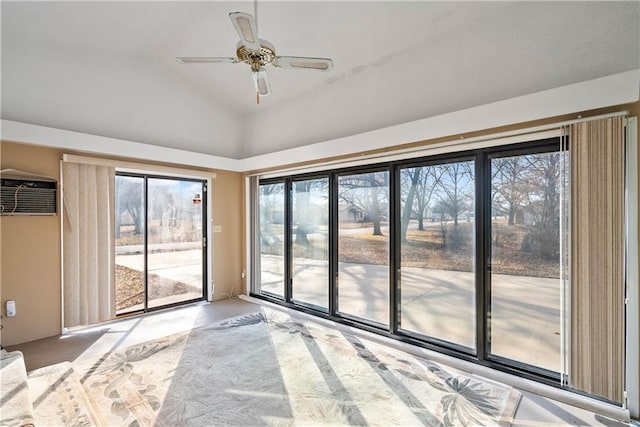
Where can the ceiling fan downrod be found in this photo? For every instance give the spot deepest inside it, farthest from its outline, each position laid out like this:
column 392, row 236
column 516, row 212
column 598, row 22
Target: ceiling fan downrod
column 258, row 54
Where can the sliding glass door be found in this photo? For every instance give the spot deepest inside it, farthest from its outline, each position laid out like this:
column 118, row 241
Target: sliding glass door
column 271, row 239
column 160, row 242
column 437, row 256
column 526, row 290
column 310, row 242
column 175, row 249
column 130, row 244
column 363, row 246
column 457, row 252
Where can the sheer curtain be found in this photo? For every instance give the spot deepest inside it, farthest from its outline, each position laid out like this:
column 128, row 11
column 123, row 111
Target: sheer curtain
column 597, row 257
column 88, row 243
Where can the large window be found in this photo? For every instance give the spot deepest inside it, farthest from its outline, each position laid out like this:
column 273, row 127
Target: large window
column 363, row 246
column 437, row 239
column 271, row 239
column 310, row 242
column 457, row 252
column 525, row 258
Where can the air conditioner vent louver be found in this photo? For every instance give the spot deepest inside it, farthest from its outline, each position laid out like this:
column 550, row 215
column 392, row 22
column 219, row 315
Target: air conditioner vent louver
column 27, row 194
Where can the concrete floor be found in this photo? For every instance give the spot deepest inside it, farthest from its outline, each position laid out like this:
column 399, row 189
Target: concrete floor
column 95, row 341
column 525, row 312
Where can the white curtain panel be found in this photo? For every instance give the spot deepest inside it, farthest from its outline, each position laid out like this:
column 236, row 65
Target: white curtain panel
column 88, row 243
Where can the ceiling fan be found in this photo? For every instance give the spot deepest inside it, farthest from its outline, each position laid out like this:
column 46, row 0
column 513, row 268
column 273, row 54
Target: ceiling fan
column 258, row 53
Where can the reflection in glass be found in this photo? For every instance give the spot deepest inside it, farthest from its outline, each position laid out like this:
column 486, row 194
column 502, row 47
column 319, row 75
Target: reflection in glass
column 272, row 239
column 175, row 241
column 168, row 231
column 310, row 241
column 525, row 259
column 437, row 276
column 129, row 242
column 363, row 246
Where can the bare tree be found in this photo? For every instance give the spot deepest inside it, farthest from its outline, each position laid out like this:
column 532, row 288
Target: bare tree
column 368, row 192
column 417, row 187
column 163, row 205
column 408, row 178
column 456, row 188
column 544, row 238
column 269, row 209
column 511, row 185
column 306, row 211
column 301, row 209
column 129, row 199
column 546, row 231
column 455, row 192
column 427, row 185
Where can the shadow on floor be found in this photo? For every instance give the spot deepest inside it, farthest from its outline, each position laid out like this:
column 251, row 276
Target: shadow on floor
column 61, row 348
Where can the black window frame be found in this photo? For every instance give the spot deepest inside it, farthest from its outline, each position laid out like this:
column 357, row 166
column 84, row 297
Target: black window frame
column 289, row 267
column 205, row 244
column 482, row 181
column 285, row 297
column 466, row 156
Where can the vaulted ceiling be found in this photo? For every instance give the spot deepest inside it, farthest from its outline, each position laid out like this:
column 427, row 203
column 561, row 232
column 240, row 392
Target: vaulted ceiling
column 108, row 68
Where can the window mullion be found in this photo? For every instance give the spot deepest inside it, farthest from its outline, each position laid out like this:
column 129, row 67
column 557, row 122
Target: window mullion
column 146, row 243
column 288, row 280
column 333, row 244
column 483, row 218
column 394, row 248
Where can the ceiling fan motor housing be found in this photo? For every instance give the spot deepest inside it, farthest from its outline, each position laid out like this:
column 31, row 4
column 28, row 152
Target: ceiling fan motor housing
column 254, row 57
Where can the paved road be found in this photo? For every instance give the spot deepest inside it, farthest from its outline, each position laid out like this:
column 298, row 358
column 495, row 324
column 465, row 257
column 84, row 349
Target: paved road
column 183, row 266
column 525, row 312
column 154, row 247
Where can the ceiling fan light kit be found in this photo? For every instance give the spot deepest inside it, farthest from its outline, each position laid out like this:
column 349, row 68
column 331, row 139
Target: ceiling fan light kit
column 258, row 53
column 261, row 82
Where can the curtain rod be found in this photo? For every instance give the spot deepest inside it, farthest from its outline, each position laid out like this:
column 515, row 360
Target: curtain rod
column 458, row 144
column 128, row 166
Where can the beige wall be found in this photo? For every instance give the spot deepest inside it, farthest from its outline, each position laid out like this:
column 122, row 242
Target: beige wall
column 30, row 255
column 30, row 248
column 228, row 244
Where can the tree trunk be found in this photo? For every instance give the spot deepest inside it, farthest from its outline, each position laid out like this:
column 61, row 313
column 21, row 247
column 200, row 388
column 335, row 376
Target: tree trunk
column 137, row 220
column 117, row 220
column 512, row 214
column 302, row 200
column 375, row 211
column 301, row 235
column 408, row 205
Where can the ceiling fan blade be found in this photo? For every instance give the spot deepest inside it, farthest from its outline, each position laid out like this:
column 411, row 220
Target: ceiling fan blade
column 205, row 60
column 322, row 64
column 261, row 81
column 246, row 28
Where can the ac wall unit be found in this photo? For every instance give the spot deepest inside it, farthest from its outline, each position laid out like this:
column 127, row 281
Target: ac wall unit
column 24, row 193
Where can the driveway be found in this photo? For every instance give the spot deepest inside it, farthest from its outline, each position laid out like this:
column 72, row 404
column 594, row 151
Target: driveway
column 525, row 311
column 184, row 266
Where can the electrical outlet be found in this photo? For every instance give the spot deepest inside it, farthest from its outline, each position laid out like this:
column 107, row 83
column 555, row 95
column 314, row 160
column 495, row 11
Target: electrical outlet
column 243, row 274
column 11, row 308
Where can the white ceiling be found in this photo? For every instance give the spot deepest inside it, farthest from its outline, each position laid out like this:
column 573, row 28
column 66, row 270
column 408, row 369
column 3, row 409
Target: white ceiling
column 108, row 68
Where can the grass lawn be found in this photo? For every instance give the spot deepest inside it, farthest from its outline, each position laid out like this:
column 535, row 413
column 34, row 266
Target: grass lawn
column 441, row 247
